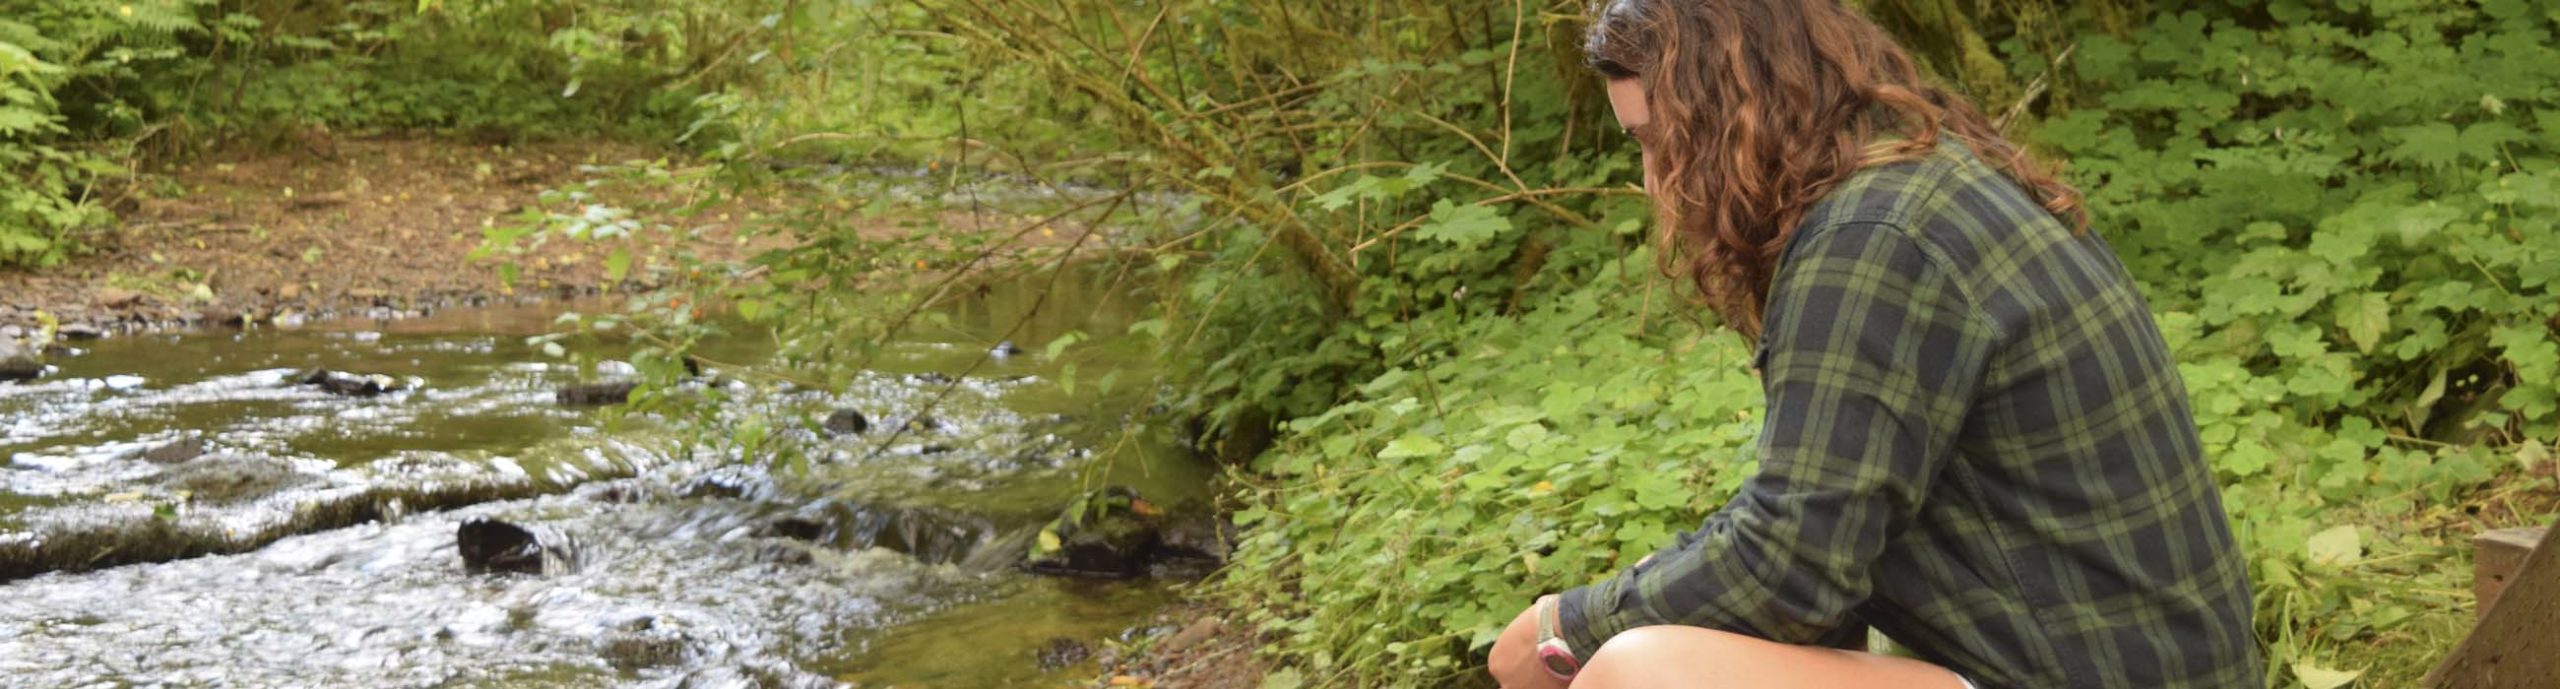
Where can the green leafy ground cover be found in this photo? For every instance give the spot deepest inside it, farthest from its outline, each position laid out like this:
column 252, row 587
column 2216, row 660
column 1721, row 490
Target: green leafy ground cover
column 1403, row 237
column 1407, row 243
column 2343, row 214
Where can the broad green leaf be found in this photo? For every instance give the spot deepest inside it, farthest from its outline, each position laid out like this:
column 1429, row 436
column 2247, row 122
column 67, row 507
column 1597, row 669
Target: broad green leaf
column 1060, row 345
column 1465, row 227
column 618, row 264
column 2337, row 545
column 2365, row 318
column 1411, row 446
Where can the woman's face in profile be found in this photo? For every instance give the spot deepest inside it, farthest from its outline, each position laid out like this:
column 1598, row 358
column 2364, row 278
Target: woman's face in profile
column 1627, row 99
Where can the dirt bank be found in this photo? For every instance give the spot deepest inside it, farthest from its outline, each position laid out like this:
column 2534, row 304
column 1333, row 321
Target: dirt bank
column 379, row 227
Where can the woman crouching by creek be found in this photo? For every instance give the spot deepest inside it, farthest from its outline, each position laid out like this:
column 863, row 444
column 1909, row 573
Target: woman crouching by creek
column 1976, row 441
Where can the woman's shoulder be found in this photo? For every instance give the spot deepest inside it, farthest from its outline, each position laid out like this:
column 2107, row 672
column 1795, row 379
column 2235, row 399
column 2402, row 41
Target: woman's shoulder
column 1947, row 199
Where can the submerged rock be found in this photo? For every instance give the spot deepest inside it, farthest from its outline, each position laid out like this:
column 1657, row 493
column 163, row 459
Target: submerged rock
column 797, row 528
column 177, row 451
column 928, row 534
column 932, row 378
column 350, row 384
column 1005, row 350
column 225, row 479
column 1110, row 532
column 1061, row 653
column 489, row 545
column 1193, row 545
column 595, row 394
column 734, row 482
column 636, row 650
column 1115, row 533
column 847, row 422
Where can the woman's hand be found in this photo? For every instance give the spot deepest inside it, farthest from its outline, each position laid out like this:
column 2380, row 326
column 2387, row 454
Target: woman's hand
column 1515, row 663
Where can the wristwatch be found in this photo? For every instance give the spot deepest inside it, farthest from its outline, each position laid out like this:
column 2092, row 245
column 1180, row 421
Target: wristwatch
column 1553, row 654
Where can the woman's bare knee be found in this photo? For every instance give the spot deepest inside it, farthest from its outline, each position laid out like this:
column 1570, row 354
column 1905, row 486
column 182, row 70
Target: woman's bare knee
column 1674, row 657
column 1663, row 657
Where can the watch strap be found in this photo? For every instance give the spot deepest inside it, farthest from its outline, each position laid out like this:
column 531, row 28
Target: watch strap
column 1550, row 626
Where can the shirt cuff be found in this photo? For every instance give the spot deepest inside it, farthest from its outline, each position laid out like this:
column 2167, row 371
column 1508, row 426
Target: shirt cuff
column 1588, row 617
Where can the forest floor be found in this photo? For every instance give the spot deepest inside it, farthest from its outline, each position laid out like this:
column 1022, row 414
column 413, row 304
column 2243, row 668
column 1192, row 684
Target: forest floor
column 342, row 228
column 363, row 227
column 1209, row 652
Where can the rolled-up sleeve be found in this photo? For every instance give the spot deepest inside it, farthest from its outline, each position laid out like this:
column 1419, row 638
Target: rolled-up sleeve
column 1872, row 355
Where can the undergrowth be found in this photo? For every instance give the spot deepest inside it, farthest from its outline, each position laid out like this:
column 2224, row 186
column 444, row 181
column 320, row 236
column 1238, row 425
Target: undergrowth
column 1406, row 240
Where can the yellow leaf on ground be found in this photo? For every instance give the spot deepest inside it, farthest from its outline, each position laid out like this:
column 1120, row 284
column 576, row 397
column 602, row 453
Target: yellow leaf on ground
column 2316, row 677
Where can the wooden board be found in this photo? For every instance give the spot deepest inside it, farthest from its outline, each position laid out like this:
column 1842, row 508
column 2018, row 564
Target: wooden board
column 2497, row 556
column 2514, row 645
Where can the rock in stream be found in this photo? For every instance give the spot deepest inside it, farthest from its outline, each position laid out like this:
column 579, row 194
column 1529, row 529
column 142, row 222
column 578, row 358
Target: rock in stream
column 16, row 363
column 351, row 384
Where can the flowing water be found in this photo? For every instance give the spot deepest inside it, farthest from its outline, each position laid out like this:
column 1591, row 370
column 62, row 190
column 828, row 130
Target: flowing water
column 176, row 511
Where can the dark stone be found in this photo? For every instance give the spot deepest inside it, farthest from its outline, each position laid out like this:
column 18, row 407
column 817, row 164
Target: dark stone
column 349, row 384
column 928, row 534
column 489, row 545
column 1202, row 537
column 729, row 482
column 595, row 394
column 1115, row 533
column 1061, row 653
column 847, row 422
column 932, row 378
column 176, row 451
column 79, row 331
column 798, row 528
column 496, row 546
column 219, row 316
column 16, row 364
column 935, row 449
column 20, row 369
column 1005, row 350
column 785, row 554
column 636, row 651
column 1110, row 532
column 617, row 492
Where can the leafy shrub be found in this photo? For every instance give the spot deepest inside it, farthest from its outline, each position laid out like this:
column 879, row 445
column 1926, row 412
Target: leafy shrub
column 2352, row 255
column 50, row 196
column 83, row 81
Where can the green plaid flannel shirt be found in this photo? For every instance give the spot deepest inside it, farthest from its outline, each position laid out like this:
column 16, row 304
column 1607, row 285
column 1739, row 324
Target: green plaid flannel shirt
column 1977, row 443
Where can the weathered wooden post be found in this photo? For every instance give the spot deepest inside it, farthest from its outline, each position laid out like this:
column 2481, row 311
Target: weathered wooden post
column 2514, row 644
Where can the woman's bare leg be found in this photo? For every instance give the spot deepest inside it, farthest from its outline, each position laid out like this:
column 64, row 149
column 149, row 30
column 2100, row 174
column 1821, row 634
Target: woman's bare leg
column 1671, row 657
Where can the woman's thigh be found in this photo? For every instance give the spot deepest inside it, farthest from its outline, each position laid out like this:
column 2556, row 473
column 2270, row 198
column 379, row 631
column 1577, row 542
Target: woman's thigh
column 1671, row 657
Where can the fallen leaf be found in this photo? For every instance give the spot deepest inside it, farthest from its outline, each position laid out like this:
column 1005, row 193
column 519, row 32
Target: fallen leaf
column 2338, row 545
column 2316, row 677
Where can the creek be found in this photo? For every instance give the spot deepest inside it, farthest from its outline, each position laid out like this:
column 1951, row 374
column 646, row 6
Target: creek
column 175, row 509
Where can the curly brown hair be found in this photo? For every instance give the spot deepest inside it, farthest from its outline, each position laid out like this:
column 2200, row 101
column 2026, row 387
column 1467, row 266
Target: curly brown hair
column 1759, row 108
